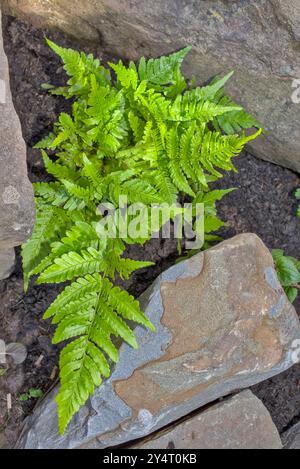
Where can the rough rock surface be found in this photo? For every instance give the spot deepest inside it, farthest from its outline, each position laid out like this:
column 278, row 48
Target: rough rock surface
column 241, row 422
column 291, row 438
column 223, row 323
column 258, row 39
column 7, row 263
column 16, row 194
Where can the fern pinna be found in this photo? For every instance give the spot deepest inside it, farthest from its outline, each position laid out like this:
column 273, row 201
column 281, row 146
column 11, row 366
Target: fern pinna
column 144, row 134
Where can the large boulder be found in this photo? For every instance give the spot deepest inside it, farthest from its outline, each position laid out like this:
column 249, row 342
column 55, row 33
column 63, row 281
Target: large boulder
column 258, row 39
column 223, row 323
column 16, row 193
column 240, row 422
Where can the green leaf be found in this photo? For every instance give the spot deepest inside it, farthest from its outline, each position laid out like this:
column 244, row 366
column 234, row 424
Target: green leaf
column 298, row 197
column 32, row 393
column 277, row 254
column 287, row 270
column 291, row 293
column 35, row 393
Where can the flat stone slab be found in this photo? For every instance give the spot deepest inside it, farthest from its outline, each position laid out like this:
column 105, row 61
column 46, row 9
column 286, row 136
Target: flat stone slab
column 291, row 438
column 240, row 422
column 16, row 193
column 223, row 324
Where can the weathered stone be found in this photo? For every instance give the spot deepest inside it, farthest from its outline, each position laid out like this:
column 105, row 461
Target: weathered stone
column 291, row 438
column 7, row 263
column 241, row 422
column 3, row 441
column 223, row 323
column 258, row 39
column 16, row 194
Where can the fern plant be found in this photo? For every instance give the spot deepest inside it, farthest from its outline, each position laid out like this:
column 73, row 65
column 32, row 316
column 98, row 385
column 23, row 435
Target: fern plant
column 143, row 133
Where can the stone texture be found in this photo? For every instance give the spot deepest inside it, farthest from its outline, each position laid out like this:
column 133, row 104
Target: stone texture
column 3, row 441
column 223, row 323
column 241, row 422
column 258, row 39
column 291, row 438
column 7, row 263
column 16, row 194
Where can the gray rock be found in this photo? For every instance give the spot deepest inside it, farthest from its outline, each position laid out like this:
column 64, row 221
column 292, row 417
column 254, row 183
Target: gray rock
column 16, row 193
column 223, row 323
column 241, row 422
column 257, row 39
column 7, row 263
column 291, row 438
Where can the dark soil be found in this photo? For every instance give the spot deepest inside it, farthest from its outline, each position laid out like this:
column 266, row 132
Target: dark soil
column 264, row 204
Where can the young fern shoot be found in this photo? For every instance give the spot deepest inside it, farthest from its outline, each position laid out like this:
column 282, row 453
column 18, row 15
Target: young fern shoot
column 144, row 134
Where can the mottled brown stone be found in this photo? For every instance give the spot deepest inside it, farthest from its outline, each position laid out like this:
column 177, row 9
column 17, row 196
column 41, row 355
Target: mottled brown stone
column 219, row 320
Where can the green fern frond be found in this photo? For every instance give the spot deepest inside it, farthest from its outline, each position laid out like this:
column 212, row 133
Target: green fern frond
column 210, row 91
column 137, row 191
column 127, row 266
column 81, row 193
column 176, row 172
column 72, row 265
column 56, row 194
column 38, row 245
column 126, row 305
column 162, row 71
column 127, row 77
column 77, row 290
column 80, row 67
column 82, row 362
column 71, row 58
column 32, row 249
column 45, row 142
column 235, row 121
column 57, row 170
column 137, row 125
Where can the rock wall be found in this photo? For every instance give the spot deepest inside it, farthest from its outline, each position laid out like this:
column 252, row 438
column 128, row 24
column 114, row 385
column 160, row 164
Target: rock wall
column 260, row 40
column 16, row 193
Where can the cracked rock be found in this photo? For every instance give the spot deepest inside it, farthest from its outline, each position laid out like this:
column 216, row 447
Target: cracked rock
column 223, row 324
